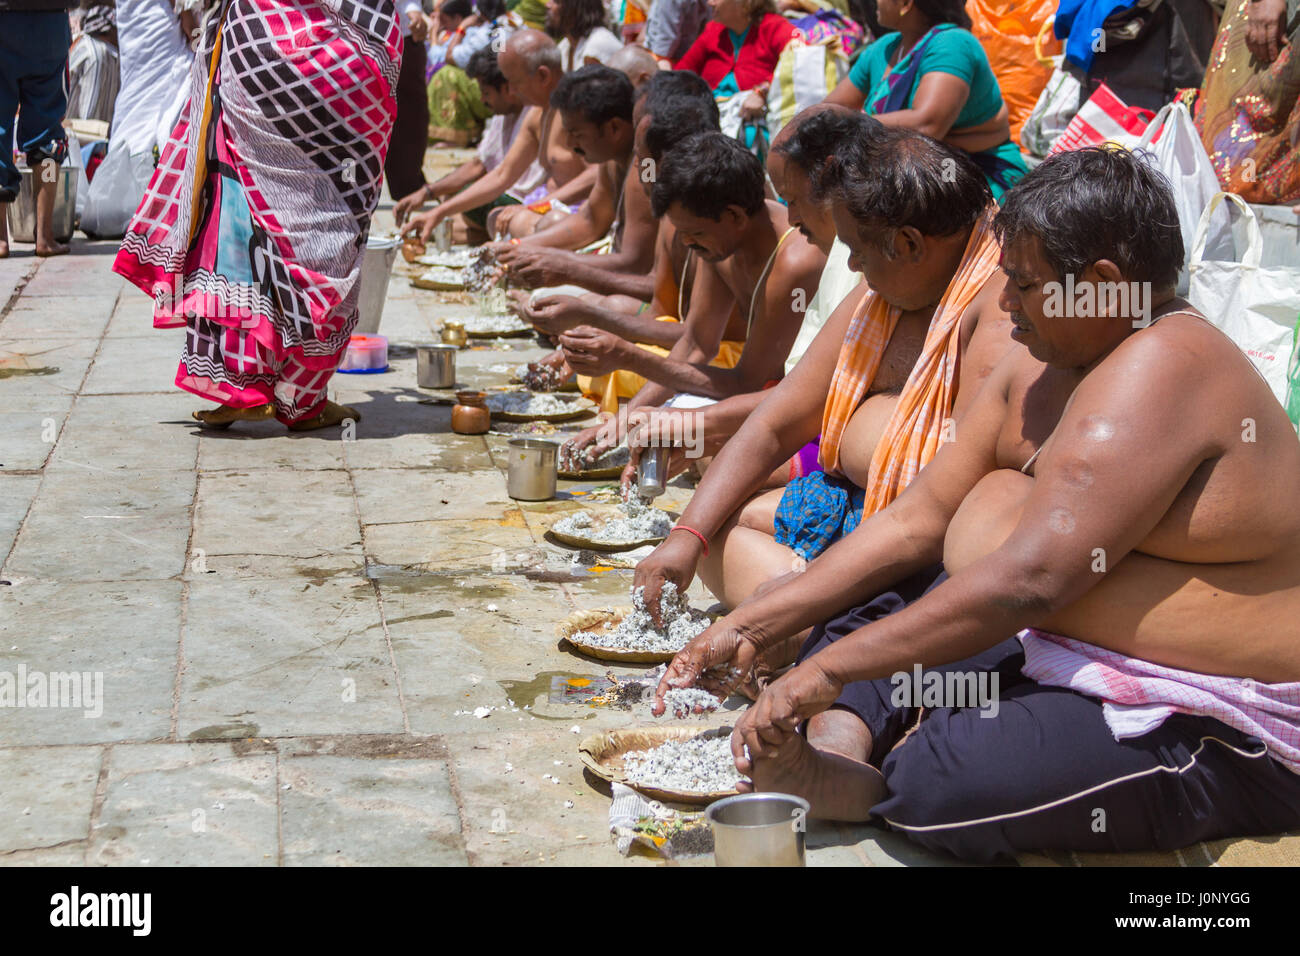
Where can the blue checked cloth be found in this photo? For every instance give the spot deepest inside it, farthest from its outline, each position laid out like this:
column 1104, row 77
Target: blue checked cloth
column 816, row 511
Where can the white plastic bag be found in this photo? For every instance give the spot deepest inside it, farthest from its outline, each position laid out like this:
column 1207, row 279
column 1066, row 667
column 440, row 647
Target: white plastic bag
column 1255, row 306
column 115, row 192
column 729, row 113
column 804, row 76
column 1179, row 154
column 73, row 160
column 1050, row 116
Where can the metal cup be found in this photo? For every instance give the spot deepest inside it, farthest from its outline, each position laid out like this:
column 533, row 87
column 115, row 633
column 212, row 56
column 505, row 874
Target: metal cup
column 442, row 236
column 759, row 829
column 532, row 469
column 652, row 472
column 435, row 366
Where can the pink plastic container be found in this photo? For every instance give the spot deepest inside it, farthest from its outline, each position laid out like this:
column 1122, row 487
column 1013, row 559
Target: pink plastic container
column 365, row 354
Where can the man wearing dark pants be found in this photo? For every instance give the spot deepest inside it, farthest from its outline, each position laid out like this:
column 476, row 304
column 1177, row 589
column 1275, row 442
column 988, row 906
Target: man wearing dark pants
column 404, row 167
column 34, row 41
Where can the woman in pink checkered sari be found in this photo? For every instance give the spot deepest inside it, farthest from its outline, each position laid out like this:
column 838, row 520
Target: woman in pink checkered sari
column 253, row 229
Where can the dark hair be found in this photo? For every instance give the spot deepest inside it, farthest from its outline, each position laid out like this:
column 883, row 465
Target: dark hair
column 945, row 11
column 490, row 9
column 1097, row 203
column 457, row 8
column 814, row 140
column 598, row 92
column 707, row 173
column 675, row 119
column 484, row 70
column 577, row 18
column 896, row 177
column 669, row 86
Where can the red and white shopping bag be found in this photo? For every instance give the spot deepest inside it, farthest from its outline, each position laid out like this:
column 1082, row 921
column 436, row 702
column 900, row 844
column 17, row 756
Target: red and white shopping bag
column 1105, row 118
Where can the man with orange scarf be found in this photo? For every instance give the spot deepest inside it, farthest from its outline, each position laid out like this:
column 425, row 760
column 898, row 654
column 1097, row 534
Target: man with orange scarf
column 915, row 215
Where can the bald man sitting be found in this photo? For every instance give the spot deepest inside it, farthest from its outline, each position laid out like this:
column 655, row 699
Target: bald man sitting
column 530, row 62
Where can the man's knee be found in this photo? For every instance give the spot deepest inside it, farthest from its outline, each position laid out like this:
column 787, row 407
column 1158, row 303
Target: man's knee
column 759, row 513
column 552, row 218
column 946, row 800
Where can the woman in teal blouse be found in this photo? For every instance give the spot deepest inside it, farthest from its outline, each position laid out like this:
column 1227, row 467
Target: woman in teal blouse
column 932, row 75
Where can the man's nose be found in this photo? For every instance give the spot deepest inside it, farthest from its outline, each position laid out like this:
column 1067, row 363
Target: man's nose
column 1008, row 301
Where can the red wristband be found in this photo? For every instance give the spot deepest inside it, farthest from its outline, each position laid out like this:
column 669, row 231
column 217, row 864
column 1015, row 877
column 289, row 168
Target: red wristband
column 703, row 540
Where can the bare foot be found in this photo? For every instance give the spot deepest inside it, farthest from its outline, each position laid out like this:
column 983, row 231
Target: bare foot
column 226, row 415
column 329, row 416
column 52, row 248
column 4, row 248
column 836, row 787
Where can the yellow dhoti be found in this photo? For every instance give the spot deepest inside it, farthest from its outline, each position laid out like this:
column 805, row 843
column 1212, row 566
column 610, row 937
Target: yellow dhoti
column 608, row 389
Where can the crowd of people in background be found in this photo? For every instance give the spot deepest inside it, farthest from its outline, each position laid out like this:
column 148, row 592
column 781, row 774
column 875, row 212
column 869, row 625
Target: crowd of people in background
column 816, row 235
column 115, row 73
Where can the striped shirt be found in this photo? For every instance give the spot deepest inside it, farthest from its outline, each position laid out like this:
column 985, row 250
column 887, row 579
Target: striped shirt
column 93, row 79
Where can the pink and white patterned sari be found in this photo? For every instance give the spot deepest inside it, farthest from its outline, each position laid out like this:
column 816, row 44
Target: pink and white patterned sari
column 252, row 231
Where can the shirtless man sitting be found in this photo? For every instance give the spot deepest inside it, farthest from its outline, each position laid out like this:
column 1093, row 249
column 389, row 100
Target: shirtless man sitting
column 672, row 106
column 595, row 108
column 1119, row 497
column 633, row 250
column 530, row 62
column 798, row 152
column 712, row 191
column 923, row 244
column 507, row 115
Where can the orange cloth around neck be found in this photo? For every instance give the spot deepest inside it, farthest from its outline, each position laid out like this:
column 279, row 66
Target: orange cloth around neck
column 915, row 430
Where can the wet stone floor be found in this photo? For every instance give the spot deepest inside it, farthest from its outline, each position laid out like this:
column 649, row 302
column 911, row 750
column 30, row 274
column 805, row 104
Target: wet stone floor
column 283, row 638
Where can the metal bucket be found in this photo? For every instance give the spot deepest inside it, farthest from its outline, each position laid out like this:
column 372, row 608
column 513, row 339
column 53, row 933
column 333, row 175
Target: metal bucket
column 22, row 211
column 435, row 366
column 532, row 469
column 759, row 829
column 376, row 268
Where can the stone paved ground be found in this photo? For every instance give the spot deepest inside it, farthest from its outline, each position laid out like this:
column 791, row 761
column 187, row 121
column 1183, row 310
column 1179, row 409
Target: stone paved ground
column 286, row 625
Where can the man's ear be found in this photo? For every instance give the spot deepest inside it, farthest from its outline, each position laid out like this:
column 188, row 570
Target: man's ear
column 1103, row 272
column 619, row 127
column 734, row 217
column 909, row 244
column 1106, row 271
